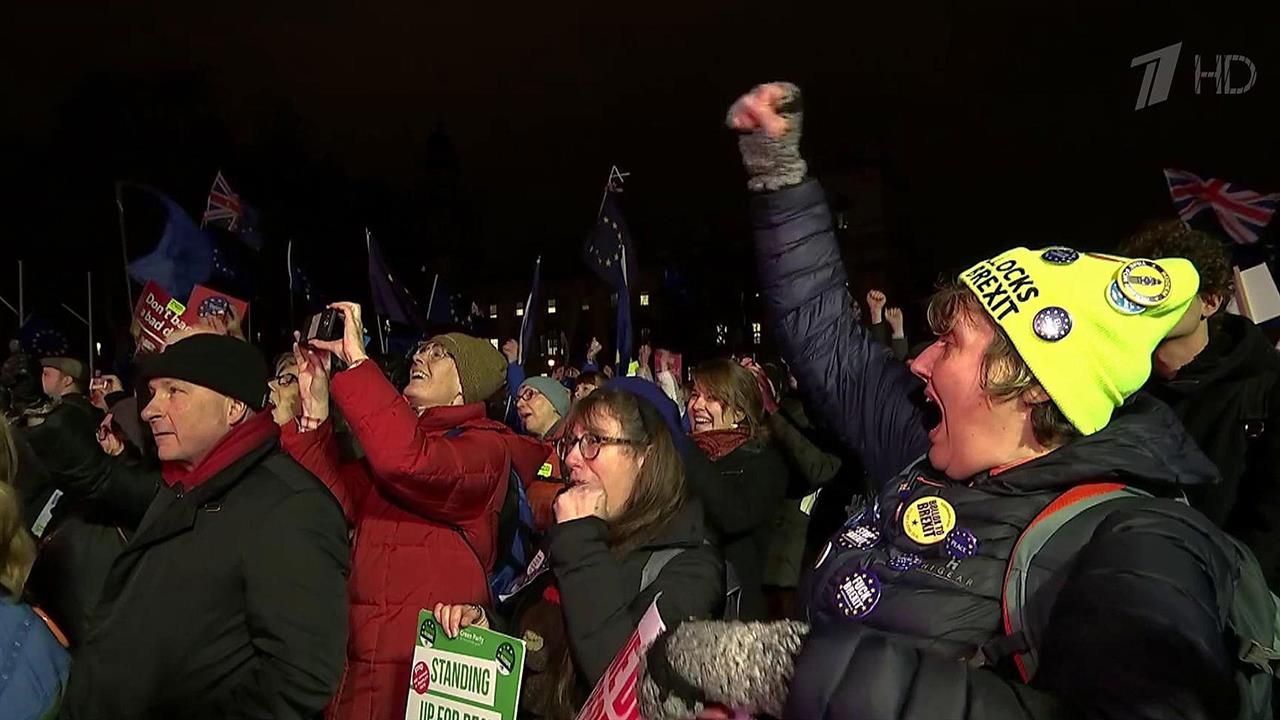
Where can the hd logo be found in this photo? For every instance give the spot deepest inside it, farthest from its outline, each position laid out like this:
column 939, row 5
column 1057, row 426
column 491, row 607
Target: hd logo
column 1159, row 66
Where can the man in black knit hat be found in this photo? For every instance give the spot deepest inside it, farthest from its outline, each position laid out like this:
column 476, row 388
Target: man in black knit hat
column 230, row 599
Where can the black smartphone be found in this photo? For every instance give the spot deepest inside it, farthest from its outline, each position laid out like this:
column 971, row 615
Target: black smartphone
column 325, row 325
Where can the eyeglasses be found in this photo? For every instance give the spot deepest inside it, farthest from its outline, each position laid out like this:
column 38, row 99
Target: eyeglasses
column 589, row 445
column 286, row 379
column 433, row 351
column 527, row 395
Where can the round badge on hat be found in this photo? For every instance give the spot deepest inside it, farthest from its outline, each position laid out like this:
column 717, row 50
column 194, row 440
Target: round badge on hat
column 928, row 520
column 961, row 543
column 1059, row 256
column 1144, row 282
column 856, row 594
column 859, row 536
column 1051, row 324
column 1120, row 303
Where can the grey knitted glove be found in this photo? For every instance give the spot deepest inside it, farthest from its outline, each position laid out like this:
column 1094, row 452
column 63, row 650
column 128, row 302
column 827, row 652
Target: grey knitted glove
column 743, row 666
column 773, row 163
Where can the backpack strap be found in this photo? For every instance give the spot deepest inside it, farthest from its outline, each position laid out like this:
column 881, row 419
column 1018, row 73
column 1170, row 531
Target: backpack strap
column 1017, row 641
column 658, row 559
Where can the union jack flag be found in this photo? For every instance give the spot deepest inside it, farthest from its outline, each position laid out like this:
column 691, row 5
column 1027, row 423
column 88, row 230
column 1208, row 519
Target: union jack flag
column 1242, row 213
column 224, row 205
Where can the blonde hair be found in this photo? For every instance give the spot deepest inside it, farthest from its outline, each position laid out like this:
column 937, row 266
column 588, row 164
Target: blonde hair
column 17, row 548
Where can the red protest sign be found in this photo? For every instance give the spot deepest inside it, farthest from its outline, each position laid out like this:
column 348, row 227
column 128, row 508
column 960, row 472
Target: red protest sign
column 155, row 316
column 206, row 302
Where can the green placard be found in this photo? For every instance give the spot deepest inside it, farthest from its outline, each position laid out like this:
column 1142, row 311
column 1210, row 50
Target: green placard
column 475, row 676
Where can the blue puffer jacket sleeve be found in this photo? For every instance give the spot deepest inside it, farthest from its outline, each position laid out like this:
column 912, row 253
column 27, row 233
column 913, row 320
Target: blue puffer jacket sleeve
column 860, row 391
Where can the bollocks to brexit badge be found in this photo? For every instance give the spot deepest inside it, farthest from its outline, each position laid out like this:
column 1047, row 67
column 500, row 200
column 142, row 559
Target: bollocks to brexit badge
column 928, row 520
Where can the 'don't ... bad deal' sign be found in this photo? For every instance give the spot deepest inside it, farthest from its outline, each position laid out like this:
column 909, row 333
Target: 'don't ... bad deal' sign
column 475, row 676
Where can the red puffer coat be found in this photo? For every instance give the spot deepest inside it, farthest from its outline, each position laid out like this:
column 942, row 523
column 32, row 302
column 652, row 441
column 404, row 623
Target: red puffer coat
column 424, row 503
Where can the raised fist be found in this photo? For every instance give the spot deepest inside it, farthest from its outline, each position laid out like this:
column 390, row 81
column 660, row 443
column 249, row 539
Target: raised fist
column 876, row 302
column 760, row 109
column 511, row 349
column 894, row 317
column 769, row 118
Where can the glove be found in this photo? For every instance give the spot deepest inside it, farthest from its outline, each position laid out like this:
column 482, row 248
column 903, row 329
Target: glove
column 773, row 163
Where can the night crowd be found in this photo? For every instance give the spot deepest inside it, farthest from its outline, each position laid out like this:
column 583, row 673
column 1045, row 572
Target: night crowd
column 1066, row 505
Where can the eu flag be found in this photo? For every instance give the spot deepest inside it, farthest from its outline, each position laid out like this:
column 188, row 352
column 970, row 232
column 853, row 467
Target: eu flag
column 612, row 256
column 184, row 256
column 530, row 320
column 390, row 300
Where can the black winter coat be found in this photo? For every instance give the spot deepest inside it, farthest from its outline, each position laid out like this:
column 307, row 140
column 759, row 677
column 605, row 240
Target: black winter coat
column 600, row 590
column 83, row 537
column 742, row 499
column 230, row 601
column 1136, row 629
column 1229, row 400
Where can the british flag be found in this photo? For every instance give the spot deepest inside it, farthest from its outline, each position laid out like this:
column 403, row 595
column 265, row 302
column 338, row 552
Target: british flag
column 224, row 207
column 1242, row 213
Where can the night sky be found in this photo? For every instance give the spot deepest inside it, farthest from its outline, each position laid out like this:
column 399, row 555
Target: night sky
column 472, row 137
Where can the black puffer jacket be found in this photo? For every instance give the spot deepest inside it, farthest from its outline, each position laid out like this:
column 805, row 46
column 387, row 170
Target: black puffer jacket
column 1229, row 400
column 600, row 589
column 1137, row 628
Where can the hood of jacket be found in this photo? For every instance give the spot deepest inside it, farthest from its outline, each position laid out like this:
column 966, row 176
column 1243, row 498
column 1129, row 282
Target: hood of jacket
column 1237, row 350
column 1144, row 445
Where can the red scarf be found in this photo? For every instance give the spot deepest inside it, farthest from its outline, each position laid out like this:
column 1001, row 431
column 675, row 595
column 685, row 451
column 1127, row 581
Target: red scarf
column 718, row 443
column 245, row 437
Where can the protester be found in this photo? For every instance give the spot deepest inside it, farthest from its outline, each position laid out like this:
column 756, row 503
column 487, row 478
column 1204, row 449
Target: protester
column 742, row 499
column 887, row 324
column 286, row 400
column 34, row 665
column 229, row 599
column 425, row 500
column 1220, row 377
column 588, row 382
column 810, row 470
column 542, row 404
column 1027, row 382
column 626, row 513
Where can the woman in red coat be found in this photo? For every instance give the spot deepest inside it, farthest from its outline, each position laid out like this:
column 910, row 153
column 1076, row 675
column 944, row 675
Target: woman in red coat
column 424, row 501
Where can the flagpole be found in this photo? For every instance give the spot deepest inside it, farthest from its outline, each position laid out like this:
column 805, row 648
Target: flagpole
column 626, row 288
column 288, row 261
column 92, row 347
column 124, row 250
column 22, row 299
column 368, row 251
column 608, row 185
column 432, row 299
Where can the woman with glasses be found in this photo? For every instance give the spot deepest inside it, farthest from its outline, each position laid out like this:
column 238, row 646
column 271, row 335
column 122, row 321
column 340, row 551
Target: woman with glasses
column 727, row 413
column 286, row 401
column 425, row 500
column 626, row 513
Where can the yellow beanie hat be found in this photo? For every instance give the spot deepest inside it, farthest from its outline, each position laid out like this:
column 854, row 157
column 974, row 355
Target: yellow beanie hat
column 1086, row 324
